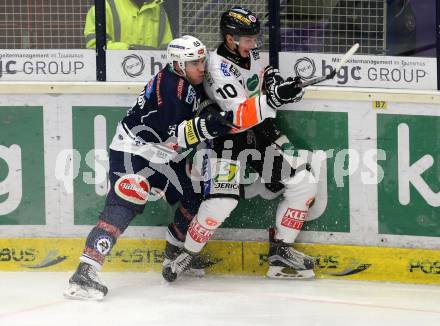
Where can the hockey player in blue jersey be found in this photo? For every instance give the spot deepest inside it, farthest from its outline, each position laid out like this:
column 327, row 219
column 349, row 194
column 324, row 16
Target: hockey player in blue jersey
column 145, row 154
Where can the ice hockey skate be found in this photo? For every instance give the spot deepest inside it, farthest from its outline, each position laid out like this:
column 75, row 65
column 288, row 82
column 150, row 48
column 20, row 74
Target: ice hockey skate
column 85, row 284
column 287, row 263
column 178, row 266
column 198, row 265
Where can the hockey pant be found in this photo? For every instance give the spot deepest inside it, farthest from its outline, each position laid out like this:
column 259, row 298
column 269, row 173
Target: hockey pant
column 300, row 188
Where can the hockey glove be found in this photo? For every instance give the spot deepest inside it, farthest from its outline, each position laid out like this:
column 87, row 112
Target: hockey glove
column 289, row 91
column 214, row 123
column 271, row 76
column 209, row 125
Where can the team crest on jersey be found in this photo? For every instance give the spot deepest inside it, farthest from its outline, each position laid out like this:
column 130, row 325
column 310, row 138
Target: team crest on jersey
column 224, row 68
column 190, row 95
column 133, row 188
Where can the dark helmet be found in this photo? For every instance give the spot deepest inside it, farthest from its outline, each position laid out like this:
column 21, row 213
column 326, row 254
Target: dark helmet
column 239, row 21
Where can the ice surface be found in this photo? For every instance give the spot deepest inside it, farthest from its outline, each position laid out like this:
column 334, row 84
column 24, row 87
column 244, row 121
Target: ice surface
column 35, row 298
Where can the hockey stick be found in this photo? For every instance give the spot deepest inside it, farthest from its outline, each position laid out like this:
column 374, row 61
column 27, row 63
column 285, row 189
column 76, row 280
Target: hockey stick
column 331, row 75
column 310, row 82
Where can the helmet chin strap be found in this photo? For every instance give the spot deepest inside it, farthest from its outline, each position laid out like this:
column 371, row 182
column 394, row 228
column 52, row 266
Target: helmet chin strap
column 181, row 72
column 235, row 50
column 237, row 43
column 238, row 52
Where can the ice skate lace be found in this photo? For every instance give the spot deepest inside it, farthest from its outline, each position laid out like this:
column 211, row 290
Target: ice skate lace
column 184, row 263
column 298, row 257
column 92, row 274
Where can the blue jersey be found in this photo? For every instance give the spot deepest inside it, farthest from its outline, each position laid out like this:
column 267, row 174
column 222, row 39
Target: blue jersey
column 166, row 101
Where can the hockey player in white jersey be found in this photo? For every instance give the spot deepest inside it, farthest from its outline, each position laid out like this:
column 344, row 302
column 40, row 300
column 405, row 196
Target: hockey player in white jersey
column 235, row 80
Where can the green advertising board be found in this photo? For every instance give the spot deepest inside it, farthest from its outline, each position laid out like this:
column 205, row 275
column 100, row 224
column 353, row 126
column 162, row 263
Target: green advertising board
column 308, row 130
column 358, row 228
column 87, row 202
column 326, row 131
column 22, row 195
column 409, row 194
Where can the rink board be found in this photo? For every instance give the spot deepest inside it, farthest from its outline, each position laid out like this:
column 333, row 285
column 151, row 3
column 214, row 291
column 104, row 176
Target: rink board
column 379, row 186
column 378, row 180
column 229, row 257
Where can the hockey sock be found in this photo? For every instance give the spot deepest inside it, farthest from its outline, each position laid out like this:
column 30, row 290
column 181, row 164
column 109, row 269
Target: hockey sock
column 210, row 216
column 112, row 223
column 99, row 243
column 292, row 210
column 178, row 229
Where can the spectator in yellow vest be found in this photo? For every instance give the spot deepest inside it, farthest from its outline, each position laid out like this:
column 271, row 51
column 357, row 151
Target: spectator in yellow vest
column 131, row 24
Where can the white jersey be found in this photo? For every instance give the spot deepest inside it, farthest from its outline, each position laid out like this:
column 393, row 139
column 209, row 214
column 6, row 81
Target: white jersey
column 235, row 88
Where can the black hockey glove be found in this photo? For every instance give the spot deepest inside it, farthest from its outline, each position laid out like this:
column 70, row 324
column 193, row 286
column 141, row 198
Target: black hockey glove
column 289, row 91
column 214, row 123
column 271, row 76
column 210, row 124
